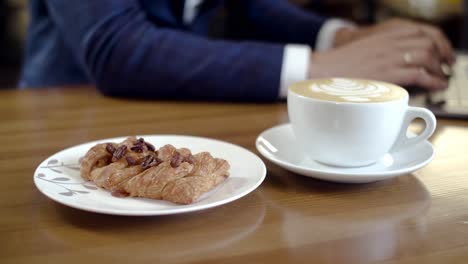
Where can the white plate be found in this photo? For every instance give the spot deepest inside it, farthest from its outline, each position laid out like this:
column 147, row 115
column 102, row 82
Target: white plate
column 278, row 145
column 58, row 178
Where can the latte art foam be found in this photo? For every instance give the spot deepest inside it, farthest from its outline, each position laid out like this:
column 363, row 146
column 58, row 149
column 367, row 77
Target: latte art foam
column 349, row 90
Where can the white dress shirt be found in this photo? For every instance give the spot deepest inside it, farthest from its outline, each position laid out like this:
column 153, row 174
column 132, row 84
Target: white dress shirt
column 296, row 57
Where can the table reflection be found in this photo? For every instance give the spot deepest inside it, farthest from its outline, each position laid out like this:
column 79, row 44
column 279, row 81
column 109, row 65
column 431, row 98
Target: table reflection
column 168, row 237
column 362, row 224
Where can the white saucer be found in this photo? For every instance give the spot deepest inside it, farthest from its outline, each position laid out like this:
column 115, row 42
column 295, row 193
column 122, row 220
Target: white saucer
column 278, row 145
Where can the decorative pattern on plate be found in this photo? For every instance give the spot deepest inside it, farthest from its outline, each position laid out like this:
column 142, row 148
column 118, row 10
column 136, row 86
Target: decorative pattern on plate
column 57, row 167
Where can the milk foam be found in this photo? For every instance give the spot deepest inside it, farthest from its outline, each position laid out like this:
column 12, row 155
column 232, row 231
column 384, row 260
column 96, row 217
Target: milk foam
column 351, row 90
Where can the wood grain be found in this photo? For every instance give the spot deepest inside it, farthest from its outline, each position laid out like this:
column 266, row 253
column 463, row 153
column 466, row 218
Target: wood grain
column 418, row 218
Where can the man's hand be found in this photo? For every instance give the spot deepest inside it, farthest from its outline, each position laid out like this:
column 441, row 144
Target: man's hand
column 398, row 51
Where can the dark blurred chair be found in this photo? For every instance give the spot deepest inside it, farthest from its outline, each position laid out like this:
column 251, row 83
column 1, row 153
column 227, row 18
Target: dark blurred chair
column 361, row 11
column 13, row 19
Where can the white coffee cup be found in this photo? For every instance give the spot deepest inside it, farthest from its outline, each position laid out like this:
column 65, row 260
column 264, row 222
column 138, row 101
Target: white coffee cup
column 351, row 122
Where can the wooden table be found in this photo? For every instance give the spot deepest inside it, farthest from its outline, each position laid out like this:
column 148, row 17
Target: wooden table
column 418, row 218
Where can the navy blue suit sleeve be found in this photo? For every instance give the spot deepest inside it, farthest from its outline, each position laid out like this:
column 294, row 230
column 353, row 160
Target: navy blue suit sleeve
column 282, row 21
column 127, row 55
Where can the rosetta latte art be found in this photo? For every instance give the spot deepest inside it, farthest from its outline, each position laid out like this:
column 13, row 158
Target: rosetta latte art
column 351, row 90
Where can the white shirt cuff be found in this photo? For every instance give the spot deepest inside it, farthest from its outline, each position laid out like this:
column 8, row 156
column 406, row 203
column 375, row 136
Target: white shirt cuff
column 190, row 10
column 326, row 35
column 295, row 66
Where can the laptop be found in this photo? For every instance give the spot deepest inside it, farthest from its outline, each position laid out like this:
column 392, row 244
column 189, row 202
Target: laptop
column 451, row 103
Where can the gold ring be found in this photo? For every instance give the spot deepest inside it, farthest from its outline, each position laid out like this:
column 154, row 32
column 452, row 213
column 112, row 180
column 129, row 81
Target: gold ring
column 446, row 69
column 407, row 58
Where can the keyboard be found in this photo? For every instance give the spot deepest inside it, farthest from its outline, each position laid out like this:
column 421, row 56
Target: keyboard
column 450, row 103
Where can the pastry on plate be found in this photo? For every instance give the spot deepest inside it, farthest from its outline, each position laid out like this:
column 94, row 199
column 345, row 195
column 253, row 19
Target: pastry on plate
column 136, row 168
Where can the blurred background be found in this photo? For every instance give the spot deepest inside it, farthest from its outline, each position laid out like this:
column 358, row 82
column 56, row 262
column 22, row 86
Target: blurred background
column 13, row 24
column 449, row 15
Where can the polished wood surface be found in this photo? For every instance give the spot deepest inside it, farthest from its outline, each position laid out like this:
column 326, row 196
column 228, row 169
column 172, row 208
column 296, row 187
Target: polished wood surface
column 417, row 218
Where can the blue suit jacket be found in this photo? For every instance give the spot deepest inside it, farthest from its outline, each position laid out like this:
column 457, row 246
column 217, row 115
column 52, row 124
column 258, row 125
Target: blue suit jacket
column 142, row 49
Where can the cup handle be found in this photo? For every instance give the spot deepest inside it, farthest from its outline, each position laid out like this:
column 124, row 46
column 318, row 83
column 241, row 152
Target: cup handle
column 412, row 113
